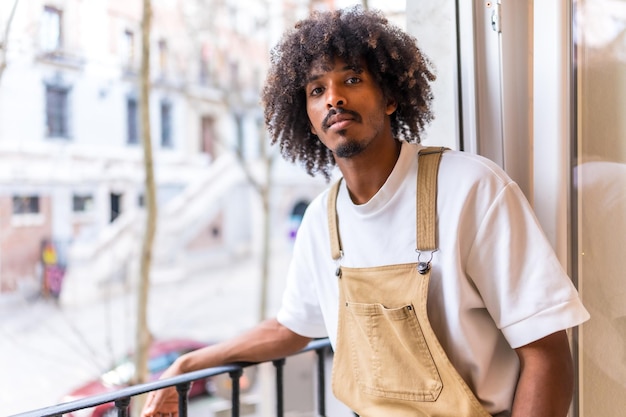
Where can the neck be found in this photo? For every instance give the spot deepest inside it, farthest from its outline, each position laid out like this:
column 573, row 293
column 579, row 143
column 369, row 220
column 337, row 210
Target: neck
column 366, row 173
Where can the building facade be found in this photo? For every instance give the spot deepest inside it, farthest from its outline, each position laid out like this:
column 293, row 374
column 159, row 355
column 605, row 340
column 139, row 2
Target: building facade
column 71, row 159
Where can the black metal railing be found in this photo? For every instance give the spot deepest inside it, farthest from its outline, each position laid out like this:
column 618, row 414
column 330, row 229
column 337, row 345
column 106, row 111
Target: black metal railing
column 122, row 397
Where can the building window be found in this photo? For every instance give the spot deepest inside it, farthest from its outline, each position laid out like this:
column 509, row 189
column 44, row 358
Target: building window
column 166, row 124
column 205, row 55
column 128, row 49
column 51, row 33
column 82, row 203
column 116, row 205
column 163, row 57
column 26, row 204
column 132, row 121
column 207, row 140
column 239, row 133
column 234, row 74
column 57, row 111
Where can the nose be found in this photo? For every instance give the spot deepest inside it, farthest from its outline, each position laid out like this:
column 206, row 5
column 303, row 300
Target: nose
column 335, row 97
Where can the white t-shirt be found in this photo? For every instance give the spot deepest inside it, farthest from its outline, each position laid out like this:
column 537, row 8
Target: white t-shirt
column 495, row 283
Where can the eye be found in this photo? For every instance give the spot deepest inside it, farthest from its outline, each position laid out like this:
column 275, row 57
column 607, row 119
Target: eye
column 353, row 80
column 316, row 91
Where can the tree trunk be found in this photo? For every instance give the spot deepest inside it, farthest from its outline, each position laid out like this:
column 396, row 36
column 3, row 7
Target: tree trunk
column 266, row 252
column 143, row 333
column 4, row 42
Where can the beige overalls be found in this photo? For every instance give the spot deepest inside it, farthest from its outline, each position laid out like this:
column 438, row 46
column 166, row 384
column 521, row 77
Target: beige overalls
column 388, row 361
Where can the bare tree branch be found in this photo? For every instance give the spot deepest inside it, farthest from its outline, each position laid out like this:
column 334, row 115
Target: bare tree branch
column 4, row 42
column 201, row 19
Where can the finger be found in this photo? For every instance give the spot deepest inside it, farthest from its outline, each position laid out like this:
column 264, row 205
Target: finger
column 149, row 406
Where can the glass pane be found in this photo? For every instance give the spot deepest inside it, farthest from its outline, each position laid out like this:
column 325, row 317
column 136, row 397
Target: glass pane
column 132, row 121
column 51, row 29
column 26, row 204
column 166, row 124
column 128, row 49
column 82, row 203
column 600, row 179
column 56, row 111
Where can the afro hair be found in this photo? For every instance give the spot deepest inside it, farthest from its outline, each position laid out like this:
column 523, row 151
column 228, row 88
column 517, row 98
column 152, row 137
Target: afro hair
column 355, row 36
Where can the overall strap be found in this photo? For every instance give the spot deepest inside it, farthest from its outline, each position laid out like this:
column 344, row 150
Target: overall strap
column 426, row 204
column 428, row 166
column 335, row 244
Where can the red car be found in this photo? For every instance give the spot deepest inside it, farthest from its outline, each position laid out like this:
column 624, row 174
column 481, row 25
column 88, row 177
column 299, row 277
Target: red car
column 162, row 354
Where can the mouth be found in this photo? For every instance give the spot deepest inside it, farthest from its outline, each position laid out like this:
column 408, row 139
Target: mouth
column 339, row 119
column 340, row 124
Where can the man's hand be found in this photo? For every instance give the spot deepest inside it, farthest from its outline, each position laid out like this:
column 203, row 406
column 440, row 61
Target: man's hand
column 161, row 402
column 266, row 341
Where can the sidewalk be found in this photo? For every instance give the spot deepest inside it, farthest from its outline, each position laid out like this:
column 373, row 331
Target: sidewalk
column 49, row 349
column 18, row 299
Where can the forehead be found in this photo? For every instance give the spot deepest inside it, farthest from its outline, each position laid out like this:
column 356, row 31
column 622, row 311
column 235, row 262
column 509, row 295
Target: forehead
column 321, row 66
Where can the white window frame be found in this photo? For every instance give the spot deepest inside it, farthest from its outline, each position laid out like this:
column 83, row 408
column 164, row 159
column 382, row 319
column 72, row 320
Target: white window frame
column 51, row 29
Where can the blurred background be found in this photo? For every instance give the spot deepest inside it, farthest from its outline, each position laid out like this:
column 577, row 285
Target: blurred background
column 73, row 197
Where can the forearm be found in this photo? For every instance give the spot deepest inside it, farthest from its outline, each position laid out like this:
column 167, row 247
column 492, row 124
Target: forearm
column 268, row 340
column 545, row 385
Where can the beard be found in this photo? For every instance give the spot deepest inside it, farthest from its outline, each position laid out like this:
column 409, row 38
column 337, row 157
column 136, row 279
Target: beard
column 349, row 149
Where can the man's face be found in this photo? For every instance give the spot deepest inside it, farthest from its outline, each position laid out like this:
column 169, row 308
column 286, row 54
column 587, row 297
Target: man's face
column 346, row 107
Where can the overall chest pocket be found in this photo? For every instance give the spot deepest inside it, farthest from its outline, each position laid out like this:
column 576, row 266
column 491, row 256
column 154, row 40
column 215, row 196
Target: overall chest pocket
column 390, row 356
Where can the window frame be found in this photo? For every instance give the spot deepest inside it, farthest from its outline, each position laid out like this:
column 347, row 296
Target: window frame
column 32, row 217
column 165, row 112
column 86, row 203
column 133, row 130
column 163, row 51
column 129, row 51
column 52, row 20
column 57, row 110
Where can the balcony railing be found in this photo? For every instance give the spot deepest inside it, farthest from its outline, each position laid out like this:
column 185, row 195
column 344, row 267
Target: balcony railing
column 122, row 397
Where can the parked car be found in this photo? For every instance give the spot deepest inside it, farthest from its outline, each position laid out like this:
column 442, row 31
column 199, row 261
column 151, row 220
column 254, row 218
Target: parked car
column 162, row 354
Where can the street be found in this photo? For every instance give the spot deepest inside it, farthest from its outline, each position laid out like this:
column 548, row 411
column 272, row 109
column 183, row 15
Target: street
column 46, row 350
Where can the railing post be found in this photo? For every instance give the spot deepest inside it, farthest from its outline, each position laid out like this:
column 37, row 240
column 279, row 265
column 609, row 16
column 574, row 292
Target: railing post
column 321, row 383
column 280, row 406
column 122, row 406
column 235, row 391
column 183, row 398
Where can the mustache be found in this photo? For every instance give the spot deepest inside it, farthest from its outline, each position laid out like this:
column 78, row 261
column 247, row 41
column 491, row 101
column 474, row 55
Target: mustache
column 356, row 116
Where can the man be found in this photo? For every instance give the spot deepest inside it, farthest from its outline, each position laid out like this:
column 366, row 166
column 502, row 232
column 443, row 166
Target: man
column 348, row 89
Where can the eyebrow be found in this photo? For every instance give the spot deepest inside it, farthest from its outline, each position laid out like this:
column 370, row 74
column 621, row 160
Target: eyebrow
column 356, row 68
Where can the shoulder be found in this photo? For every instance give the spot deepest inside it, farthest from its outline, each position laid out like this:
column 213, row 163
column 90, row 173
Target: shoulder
column 464, row 163
column 461, row 163
column 466, row 176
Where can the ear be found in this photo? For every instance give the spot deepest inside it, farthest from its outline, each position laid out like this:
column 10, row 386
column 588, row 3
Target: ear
column 392, row 106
